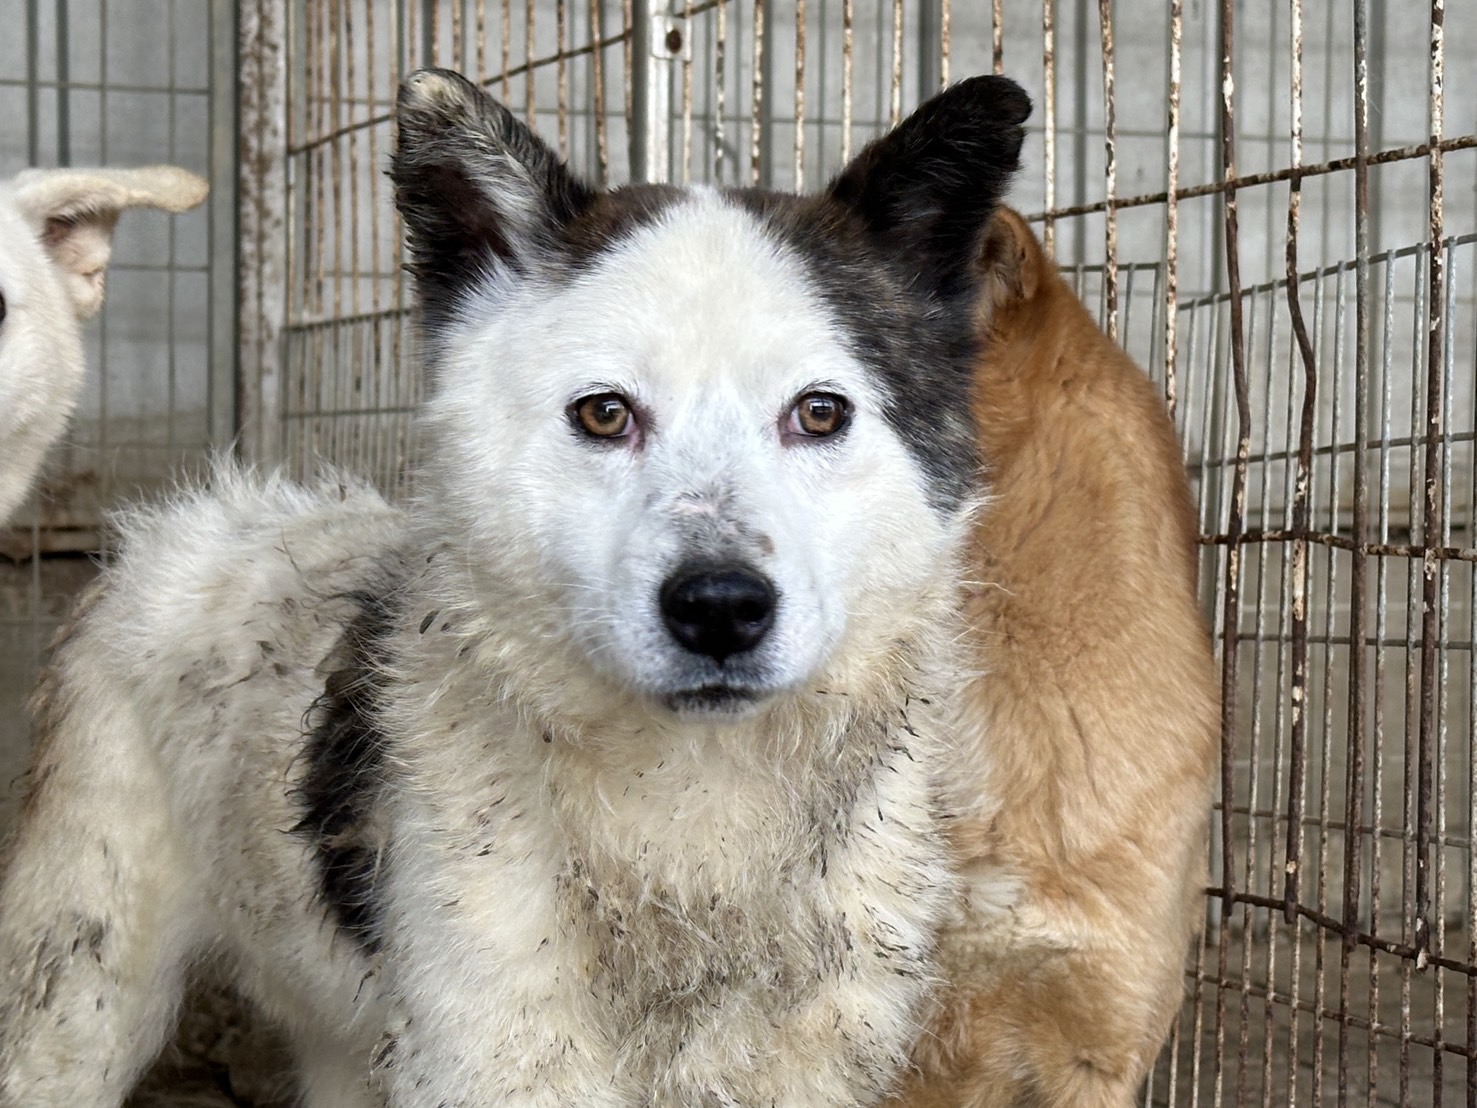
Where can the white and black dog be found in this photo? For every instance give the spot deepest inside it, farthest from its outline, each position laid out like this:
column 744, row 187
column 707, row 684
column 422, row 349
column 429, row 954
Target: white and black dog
column 609, row 771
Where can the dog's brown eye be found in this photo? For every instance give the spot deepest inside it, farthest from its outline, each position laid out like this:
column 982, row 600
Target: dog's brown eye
column 605, row 415
column 818, row 414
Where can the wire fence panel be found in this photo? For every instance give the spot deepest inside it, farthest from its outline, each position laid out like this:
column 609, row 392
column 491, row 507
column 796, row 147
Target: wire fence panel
column 347, row 387
column 89, row 83
column 1274, row 215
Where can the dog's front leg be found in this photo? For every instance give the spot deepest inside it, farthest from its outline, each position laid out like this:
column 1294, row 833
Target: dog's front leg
column 99, row 913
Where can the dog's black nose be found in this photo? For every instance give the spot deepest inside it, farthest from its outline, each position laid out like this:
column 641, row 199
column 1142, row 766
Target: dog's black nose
column 718, row 610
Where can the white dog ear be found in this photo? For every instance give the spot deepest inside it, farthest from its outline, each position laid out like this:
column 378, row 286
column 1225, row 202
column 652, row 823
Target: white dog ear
column 74, row 212
column 478, row 190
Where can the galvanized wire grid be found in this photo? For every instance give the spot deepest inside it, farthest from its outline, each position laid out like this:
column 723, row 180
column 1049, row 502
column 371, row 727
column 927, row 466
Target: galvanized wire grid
column 1328, row 414
column 345, row 387
column 93, row 82
column 1258, row 211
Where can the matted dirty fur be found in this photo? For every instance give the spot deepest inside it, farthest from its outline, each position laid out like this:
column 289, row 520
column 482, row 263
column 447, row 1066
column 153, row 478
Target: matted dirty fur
column 611, row 770
column 1099, row 711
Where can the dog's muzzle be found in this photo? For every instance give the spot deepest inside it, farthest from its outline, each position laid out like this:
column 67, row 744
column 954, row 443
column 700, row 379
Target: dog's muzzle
column 718, row 610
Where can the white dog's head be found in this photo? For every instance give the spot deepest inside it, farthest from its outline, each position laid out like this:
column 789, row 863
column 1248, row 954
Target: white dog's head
column 716, row 443
column 56, row 230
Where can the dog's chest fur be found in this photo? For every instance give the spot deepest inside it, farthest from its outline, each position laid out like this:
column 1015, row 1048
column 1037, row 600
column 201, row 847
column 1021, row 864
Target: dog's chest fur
column 697, row 888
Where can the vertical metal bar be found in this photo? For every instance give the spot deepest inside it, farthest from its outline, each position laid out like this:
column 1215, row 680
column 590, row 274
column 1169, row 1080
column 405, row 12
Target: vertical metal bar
column 1443, row 700
column 223, row 273
column 1381, row 631
column 481, row 58
column 530, row 74
column 1433, row 505
column 651, row 85
column 1254, row 728
column 1410, row 762
column 1297, row 756
column 1354, row 799
column 930, row 47
column 64, row 83
column 1236, row 523
column 756, row 106
column 1471, row 761
column 171, row 418
column 1077, row 74
column 687, row 94
column 33, row 83
column 848, row 35
column 946, row 15
column 720, row 93
column 1048, row 122
column 1110, row 172
column 104, row 376
column 597, row 82
column 799, row 95
column 1172, row 207
column 628, row 20
column 895, row 99
column 263, row 223
column 561, row 71
column 997, row 36
column 505, row 36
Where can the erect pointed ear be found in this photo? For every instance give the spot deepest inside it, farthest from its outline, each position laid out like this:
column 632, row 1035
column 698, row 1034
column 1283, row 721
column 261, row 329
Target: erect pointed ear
column 928, row 187
column 1012, row 260
column 477, row 189
column 74, row 212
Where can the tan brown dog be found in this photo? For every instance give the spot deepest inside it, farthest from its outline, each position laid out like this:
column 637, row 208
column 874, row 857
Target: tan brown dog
column 1098, row 708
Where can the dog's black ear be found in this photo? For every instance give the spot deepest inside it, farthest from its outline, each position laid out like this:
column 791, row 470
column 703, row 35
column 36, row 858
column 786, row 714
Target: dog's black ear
column 927, row 188
column 478, row 190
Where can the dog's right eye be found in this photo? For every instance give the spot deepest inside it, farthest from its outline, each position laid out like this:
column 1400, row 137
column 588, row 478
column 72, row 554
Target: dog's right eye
column 2, row 307
column 606, row 415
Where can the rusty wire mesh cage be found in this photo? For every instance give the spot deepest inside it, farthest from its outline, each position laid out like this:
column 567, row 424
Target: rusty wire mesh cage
column 1273, row 209
column 1257, row 210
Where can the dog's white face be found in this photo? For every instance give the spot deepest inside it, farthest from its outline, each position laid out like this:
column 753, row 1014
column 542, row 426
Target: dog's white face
column 686, row 411
column 716, row 444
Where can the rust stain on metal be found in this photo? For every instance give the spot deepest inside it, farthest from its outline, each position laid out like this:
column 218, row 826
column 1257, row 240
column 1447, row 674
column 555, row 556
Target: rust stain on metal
column 1048, row 121
column 997, row 36
column 756, row 117
column 848, row 33
column 1297, row 752
column 799, row 95
column 1172, row 207
column 1433, row 523
column 1110, row 170
column 895, row 92
column 720, row 76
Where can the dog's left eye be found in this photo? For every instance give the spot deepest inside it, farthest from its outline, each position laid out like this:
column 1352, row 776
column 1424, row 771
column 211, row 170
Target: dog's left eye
column 606, row 415
column 818, row 415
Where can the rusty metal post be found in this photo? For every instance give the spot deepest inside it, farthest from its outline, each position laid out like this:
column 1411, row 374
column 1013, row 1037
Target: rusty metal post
column 660, row 37
column 263, row 224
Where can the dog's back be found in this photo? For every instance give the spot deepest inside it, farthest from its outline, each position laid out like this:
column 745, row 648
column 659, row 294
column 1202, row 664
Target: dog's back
column 1097, row 703
column 162, row 766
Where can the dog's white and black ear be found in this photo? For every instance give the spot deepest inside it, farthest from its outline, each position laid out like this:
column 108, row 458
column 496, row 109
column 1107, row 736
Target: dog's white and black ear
column 74, row 212
column 927, row 188
column 477, row 189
